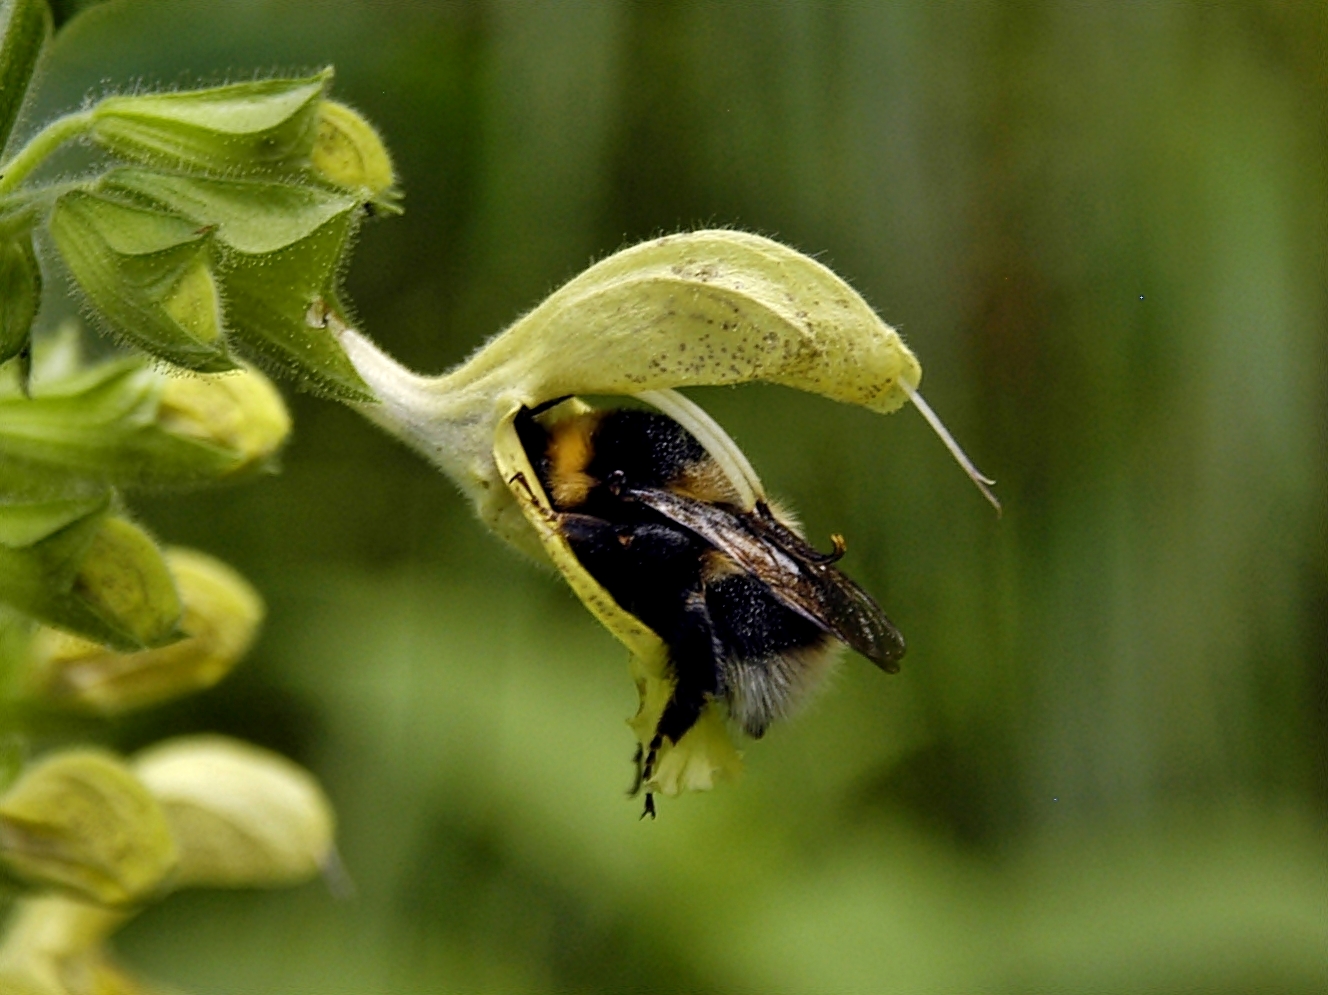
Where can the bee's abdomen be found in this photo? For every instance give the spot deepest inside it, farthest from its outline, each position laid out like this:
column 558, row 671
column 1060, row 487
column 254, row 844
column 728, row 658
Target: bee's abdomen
column 751, row 623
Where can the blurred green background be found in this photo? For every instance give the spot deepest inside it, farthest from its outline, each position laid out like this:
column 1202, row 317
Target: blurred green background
column 1102, row 227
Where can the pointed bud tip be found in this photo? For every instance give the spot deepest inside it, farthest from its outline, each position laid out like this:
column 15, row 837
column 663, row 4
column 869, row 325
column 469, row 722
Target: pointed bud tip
column 348, row 153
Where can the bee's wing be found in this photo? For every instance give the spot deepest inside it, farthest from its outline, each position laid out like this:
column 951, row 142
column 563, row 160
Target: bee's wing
column 796, row 573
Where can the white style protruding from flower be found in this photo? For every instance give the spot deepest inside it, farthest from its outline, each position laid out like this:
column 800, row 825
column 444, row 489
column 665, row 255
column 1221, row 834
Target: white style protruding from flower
column 702, row 308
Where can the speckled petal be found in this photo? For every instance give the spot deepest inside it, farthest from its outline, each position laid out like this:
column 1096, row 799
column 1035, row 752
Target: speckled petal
column 707, row 307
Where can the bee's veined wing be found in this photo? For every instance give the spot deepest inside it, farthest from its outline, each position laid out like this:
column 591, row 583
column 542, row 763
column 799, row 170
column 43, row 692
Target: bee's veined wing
column 801, row 577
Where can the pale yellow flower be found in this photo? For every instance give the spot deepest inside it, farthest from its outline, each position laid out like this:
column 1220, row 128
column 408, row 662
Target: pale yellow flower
column 703, row 308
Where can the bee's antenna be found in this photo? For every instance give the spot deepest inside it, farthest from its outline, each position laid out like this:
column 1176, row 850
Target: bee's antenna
column 974, row 474
column 725, row 452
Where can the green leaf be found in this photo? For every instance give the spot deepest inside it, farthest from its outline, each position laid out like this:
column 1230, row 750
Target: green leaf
column 282, row 246
column 148, row 273
column 24, row 27
column 20, row 295
column 259, row 127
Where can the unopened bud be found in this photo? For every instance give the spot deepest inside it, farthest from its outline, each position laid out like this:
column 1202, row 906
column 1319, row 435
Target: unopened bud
column 128, row 425
column 69, row 564
column 124, row 579
column 240, row 412
column 349, row 153
column 20, row 294
column 81, row 820
column 148, row 273
column 243, row 817
column 222, row 613
column 256, row 127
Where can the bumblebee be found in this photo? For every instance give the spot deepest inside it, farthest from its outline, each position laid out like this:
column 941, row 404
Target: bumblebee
column 750, row 612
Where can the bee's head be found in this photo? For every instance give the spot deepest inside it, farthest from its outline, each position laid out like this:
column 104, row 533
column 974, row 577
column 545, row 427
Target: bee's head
column 585, row 456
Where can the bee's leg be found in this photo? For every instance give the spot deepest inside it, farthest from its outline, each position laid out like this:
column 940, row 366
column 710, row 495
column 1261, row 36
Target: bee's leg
column 637, row 759
column 647, row 770
column 694, row 656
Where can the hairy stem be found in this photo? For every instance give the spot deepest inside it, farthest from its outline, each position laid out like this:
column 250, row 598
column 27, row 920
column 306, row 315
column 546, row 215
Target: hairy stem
column 46, row 141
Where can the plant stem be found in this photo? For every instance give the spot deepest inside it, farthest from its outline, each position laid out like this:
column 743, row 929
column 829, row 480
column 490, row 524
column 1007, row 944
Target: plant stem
column 18, row 213
column 42, row 145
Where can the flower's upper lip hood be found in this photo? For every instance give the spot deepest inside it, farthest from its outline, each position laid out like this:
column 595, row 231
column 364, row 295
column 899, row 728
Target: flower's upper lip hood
column 702, row 308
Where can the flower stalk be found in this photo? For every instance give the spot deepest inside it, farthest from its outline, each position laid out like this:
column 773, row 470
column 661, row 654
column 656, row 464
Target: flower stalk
column 40, row 147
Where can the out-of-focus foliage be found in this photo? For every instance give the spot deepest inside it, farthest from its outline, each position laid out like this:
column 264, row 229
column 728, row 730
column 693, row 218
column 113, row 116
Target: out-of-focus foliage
column 1102, row 228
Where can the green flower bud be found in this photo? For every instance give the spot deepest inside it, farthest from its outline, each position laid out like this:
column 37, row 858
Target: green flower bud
column 283, row 245
column 69, row 564
column 128, row 425
column 242, row 817
column 241, row 413
column 123, row 578
column 263, row 126
column 348, row 153
column 222, row 613
column 148, row 273
column 20, row 294
column 80, row 820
